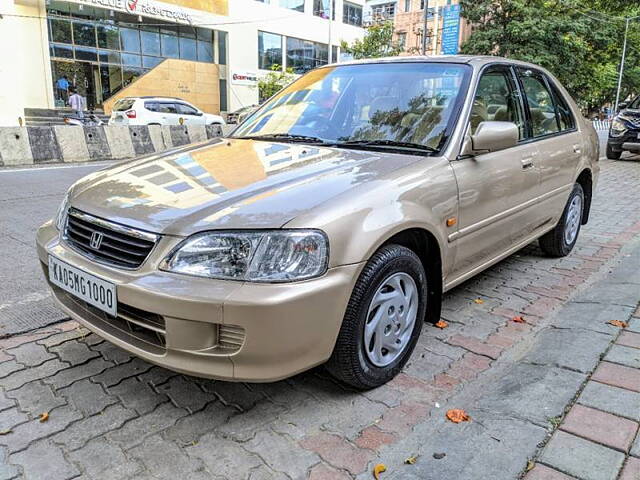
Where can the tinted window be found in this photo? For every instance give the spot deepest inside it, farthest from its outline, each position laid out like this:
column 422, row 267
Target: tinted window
column 222, row 48
column 565, row 116
column 84, row 34
column 540, row 101
column 123, row 104
column 186, row 109
column 151, row 106
column 352, row 14
column 496, row 100
column 150, row 42
column 167, row 108
column 130, row 40
column 60, row 30
column 304, row 55
column 108, row 37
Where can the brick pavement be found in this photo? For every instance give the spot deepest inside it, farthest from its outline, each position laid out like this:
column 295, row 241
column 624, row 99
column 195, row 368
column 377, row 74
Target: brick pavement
column 114, row 416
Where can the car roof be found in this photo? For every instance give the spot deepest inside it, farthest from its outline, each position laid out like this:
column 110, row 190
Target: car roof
column 475, row 60
column 151, row 97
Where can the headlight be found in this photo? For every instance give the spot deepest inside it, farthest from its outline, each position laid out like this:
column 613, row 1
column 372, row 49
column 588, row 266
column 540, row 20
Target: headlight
column 61, row 216
column 254, row 256
column 618, row 127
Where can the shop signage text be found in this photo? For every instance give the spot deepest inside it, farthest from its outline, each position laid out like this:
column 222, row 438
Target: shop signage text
column 244, row 78
column 143, row 7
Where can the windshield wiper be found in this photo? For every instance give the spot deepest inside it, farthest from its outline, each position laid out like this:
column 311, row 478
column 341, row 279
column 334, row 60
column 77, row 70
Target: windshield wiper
column 393, row 144
column 284, row 136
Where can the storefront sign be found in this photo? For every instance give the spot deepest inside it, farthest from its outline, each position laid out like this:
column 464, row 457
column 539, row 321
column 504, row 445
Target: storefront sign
column 450, row 30
column 244, row 78
column 144, row 7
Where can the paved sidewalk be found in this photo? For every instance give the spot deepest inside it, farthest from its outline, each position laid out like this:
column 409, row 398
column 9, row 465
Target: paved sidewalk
column 598, row 438
column 114, row 416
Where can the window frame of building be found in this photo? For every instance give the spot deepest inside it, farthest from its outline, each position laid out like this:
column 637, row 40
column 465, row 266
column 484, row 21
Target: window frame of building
column 263, row 56
column 407, row 5
column 350, row 14
column 308, row 62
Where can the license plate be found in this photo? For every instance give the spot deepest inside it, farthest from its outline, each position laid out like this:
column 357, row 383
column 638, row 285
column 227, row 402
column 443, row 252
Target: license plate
column 93, row 290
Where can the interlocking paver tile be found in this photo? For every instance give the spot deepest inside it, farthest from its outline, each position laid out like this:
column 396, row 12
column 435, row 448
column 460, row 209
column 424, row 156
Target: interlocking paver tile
column 30, row 354
column 618, row 401
column 155, row 451
column 600, row 427
column 44, row 371
column 74, row 353
column 25, row 433
column 635, row 448
column 337, row 452
column 184, row 392
column 60, row 338
column 631, row 469
column 44, row 460
column 629, row 339
column 628, row 356
column 234, row 394
column 7, row 472
column 115, row 375
column 225, row 461
column 103, row 460
column 618, row 376
column 137, row 395
column 542, row 472
column 325, row 472
column 110, row 419
column 35, row 398
column 581, row 458
column 135, row 431
column 8, row 421
column 189, row 429
column 112, row 352
column 87, row 397
column 157, row 376
column 66, row 377
column 275, row 449
column 10, row 366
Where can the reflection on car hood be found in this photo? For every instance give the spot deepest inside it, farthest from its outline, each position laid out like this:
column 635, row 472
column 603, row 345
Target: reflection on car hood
column 228, row 184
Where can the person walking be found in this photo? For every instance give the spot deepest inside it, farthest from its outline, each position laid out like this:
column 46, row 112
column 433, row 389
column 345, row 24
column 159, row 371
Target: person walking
column 62, row 84
column 77, row 102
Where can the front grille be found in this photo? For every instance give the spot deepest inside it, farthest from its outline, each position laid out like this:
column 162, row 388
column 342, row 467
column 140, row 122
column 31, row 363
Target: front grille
column 108, row 242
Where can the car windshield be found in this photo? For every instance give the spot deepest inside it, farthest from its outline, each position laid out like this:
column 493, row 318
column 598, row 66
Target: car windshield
column 124, row 104
column 635, row 104
column 380, row 105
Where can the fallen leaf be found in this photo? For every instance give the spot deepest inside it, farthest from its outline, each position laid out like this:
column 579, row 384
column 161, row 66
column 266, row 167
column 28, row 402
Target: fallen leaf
column 518, row 319
column 378, row 469
column 411, row 460
column 441, row 324
column 44, row 417
column 530, row 465
column 618, row 323
column 5, row 432
column 457, row 415
column 479, row 301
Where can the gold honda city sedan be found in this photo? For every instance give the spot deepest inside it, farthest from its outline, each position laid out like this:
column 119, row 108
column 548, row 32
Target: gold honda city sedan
column 326, row 228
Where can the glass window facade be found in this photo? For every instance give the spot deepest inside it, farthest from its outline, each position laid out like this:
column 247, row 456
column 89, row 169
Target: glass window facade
column 303, row 55
column 352, row 14
column 323, row 8
column 118, row 46
column 269, row 50
column 293, row 4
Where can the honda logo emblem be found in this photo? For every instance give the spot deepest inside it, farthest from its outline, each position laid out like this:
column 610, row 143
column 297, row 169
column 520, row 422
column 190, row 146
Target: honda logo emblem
column 96, row 240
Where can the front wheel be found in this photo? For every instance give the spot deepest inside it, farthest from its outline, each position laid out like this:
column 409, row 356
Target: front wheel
column 383, row 319
column 561, row 240
column 612, row 154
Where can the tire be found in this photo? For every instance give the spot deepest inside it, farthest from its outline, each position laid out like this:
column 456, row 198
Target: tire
column 560, row 241
column 351, row 361
column 612, row 154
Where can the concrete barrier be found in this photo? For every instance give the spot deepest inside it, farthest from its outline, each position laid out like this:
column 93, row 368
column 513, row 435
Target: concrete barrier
column 37, row 145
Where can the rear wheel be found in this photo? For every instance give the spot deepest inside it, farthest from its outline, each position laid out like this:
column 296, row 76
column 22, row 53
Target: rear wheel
column 383, row 319
column 561, row 240
column 612, row 154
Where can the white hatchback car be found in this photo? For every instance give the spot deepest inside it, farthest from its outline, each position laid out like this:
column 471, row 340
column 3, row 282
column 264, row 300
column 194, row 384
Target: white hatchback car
column 160, row 111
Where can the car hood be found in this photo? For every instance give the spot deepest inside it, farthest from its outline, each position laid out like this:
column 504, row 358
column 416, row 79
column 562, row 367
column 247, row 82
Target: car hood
column 228, row 184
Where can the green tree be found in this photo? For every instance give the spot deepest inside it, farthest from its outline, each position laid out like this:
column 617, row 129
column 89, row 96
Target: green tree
column 579, row 41
column 274, row 81
column 377, row 42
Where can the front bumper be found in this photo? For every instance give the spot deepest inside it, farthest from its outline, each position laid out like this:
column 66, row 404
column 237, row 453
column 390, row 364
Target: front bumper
column 630, row 141
column 211, row 328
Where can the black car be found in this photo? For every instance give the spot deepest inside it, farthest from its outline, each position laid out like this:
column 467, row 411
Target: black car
column 624, row 134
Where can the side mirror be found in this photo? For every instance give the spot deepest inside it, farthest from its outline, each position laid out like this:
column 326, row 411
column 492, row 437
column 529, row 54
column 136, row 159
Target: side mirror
column 492, row 137
column 200, row 114
column 622, row 106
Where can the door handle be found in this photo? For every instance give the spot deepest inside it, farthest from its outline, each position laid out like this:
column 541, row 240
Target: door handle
column 576, row 149
column 527, row 163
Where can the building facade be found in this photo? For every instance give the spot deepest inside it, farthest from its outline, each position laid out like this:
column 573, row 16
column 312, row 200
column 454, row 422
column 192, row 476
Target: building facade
column 446, row 31
column 103, row 47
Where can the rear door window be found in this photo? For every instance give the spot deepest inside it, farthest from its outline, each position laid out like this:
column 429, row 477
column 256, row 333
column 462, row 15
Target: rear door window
column 540, row 102
column 151, row 106
column 166, row 107
column 565, row 116
column 186, row 109
column 124, row 104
